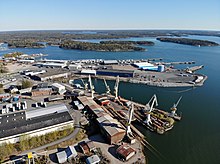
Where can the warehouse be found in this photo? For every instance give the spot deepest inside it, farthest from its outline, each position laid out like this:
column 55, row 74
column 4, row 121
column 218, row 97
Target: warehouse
column 111, row 129
column 51, row 65
column 143, row 64
column 35, row 122
column 41, row 92
column 146, row 66
column 121, row 73
column 92, row 106
column 58, row 88
column 88, row 72
column 51, row 74
column 109, row 62
column 125, row 152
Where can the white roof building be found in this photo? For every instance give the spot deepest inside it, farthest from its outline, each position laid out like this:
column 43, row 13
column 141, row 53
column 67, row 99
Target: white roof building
column 143, row 64
column 45, row 111
column 69, row 152
column 88, row 71
column 93, row 159
column 58, row 86
column 61, row 156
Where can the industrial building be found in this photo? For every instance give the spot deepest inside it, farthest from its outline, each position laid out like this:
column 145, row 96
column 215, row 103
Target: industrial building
column 26, row 90
column 51, row 65
column 33, row 122
column 91, row 105
column 41, row 92
column 69, row 152
column 87, row 146
column 121, row 73
column 109, row 62
column 94, row 159
column 88, row 72
column 111, row 129
column 32, row 73
column 51, row 74
column 58, row 88
column 149, row 66
column 26, row 61
column 125, row 152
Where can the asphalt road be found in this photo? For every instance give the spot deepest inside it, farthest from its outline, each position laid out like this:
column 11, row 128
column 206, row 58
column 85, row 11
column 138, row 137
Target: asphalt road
column 77, row 118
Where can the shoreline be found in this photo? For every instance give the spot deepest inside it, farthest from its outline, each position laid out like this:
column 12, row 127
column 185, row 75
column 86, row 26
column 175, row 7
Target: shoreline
column 154, row 84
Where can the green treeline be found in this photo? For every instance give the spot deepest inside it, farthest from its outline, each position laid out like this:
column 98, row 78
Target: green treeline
column 13, row 55
column 24, row 44
column 27, row 142
column 187, row 41
column 146, row 43
column 99, row 46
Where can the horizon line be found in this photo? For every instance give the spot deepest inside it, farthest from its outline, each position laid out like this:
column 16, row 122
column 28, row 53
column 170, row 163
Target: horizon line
column 112, row 29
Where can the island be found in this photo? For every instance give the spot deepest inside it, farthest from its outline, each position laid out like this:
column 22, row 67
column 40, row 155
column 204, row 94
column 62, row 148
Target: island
column 187, row 41
column 102, row 46
column 25, row 44
column 145, row 43
column 55, row 37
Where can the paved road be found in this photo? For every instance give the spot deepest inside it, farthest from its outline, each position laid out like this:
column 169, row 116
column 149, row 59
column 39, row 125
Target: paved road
column 77, row 118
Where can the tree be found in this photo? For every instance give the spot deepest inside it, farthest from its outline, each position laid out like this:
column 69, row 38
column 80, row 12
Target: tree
column 3, row 69
column 5, row 150
column 24, row 144
column 2, row 90
column 33, row 142
column 26, row 84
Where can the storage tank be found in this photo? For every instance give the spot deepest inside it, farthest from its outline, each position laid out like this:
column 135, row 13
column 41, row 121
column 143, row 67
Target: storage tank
column 161, row 68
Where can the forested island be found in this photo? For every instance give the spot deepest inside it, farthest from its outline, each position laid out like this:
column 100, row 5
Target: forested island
column 55, row 37
column 145, row 43
column 102, row 46
column 187, row 41
column 25, row 44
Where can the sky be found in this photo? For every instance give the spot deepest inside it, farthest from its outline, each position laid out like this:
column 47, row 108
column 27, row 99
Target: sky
column 109, row 14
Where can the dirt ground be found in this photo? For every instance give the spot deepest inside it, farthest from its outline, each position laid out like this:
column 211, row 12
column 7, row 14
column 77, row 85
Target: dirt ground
column 16, row 67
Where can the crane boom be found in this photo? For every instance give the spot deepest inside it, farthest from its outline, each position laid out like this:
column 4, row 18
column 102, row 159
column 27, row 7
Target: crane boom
column 85, row 85
column 107, row 87
column 131, row 111
column 177, row 103
column 116, row 87
column 153, row 100
column 91, row 86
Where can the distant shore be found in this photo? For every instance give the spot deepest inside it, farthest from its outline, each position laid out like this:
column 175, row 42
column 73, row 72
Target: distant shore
column 186, row 41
